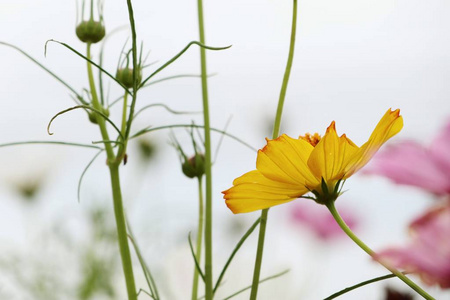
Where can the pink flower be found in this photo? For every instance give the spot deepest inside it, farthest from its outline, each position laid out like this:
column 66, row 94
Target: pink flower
column 413, row 164
column 318, row 219
column 428, row 254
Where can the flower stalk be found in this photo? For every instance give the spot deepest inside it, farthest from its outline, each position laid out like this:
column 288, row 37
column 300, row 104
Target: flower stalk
column 276, row 132
column 198, row 250
column 113, row 165
column 331, row 207
column 208, row 171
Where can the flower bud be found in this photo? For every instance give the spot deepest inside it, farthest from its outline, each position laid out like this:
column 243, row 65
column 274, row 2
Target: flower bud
column 90, row 31
column 93, row 115
column 146, row 149
column 125, row 77
column 194, row 166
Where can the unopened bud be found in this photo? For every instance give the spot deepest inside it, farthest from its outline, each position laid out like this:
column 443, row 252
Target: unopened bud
column 90, row 31
column 125, row 77
column 194, row 166
column 93, row 115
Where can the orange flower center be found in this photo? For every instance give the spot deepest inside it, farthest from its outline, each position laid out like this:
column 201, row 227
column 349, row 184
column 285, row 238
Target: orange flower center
column 313, row 139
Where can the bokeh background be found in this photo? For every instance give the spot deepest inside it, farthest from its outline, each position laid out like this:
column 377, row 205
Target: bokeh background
column 353, row 60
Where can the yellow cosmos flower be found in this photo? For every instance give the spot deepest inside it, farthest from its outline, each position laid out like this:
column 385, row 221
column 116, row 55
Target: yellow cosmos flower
column 288, row 168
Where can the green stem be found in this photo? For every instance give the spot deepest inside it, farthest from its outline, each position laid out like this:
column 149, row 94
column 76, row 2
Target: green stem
column 198, row 253
column 122, row 232
column 287, row 73
column 208, row 171
column 116, row 191
column 92, row 10
column 135, row 70
column 124, row 114
column 121, row 152
column 259, row 254
column 276, row 132
column 96, row 104
column 369, row 251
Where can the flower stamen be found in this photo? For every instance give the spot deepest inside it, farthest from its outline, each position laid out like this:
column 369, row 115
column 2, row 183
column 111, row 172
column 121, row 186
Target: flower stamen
column 313, row 139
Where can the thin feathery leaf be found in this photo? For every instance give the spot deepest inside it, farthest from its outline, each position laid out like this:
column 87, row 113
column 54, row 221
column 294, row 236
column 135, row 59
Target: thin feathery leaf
column 261, row 281
column 107, row 142
column 221, row 140
column 175, row 112
column 197, row 265
column 145, row 292
column 87, row 59
column 115, row 101
column 83, row 107
column 51, row 143
column 361, row 284
column 150, row 129
column 175, row 77
column 84, row 172
column 235, row 250
column 44, row 68
column 178, row 55
column 145, row 269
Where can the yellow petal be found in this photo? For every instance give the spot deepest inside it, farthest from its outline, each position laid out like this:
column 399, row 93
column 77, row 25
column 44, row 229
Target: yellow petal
column 328, row 158
column 252, row 191
column 390, row 124
column 285, row 160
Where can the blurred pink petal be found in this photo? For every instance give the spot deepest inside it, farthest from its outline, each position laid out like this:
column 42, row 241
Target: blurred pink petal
column 412, row 164
column 428, row 254
column 440, row 150
column 318, row 219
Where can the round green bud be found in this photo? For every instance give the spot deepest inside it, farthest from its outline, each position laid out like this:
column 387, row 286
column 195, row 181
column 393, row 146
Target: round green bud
column 125, row 77
column 93, row 115
column 194, row 166
column 146, row 148
column 90, row 31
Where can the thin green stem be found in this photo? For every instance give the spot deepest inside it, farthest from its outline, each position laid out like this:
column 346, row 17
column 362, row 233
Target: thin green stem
column 369, row 251
column 259, row 254
column 124, row 114
column 92, row 10
column 135, row 70
column 122, row 232
column 96, row 104
column 116, row 191
column 122, row 149
column 287, row 72
column 208, row 172
column 276, row 132
column 198, row 251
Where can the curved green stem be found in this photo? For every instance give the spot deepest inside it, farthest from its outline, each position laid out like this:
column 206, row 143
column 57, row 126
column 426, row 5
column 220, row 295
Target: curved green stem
column 116, row 191
column 276, row 132
column 198, row 251
column 356, row 286
column 208, row 171
column 369, row 251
